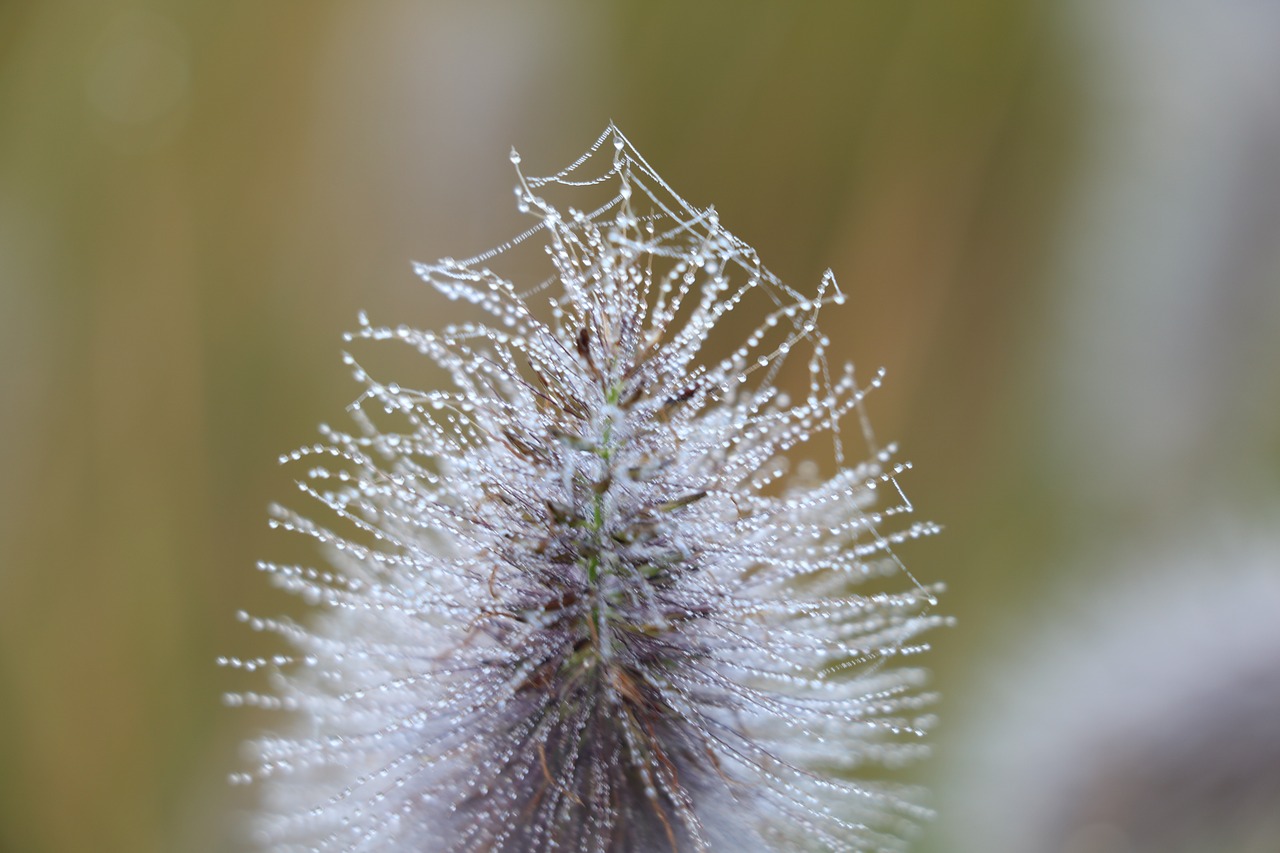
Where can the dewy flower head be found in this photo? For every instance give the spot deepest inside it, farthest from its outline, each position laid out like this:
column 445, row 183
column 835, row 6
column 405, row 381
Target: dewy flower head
column 576, row 602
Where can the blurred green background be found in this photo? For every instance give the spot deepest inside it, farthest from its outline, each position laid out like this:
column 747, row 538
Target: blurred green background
column 1057, row 223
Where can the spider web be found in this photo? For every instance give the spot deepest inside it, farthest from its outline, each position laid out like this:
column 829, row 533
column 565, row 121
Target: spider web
column 613, row 162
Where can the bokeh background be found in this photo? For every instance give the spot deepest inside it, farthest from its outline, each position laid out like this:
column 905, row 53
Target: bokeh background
column 1059, row 224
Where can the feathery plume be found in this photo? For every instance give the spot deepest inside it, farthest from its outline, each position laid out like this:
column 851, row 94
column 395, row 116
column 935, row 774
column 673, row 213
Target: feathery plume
column 577, row 603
